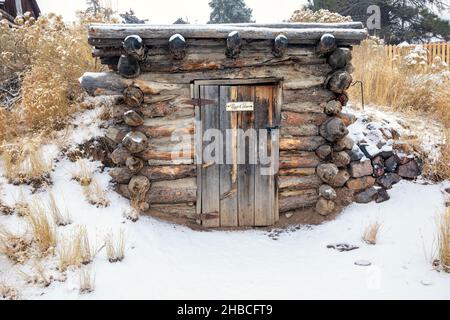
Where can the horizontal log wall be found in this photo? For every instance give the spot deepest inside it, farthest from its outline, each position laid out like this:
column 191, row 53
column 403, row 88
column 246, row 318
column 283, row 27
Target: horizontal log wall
column 167, row 110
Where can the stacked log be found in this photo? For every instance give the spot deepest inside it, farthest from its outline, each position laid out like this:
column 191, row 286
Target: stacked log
column 154, row 164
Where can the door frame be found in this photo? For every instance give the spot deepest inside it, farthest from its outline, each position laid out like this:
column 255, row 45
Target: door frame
column 277, row 83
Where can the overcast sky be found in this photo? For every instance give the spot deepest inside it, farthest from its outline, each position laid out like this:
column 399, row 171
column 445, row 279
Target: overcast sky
column 167, row 11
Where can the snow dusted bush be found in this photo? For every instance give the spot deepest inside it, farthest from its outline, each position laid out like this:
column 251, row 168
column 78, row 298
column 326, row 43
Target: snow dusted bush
column 322, row 15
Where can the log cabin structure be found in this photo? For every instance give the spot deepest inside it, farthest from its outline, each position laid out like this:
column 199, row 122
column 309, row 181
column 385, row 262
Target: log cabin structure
column 10, row 9
column 228, row 125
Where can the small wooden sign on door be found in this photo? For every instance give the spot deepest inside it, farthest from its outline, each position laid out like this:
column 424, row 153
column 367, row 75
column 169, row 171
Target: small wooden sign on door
column 244, row 106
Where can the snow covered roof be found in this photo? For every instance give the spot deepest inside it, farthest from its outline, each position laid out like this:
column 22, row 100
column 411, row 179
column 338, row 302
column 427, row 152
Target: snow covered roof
column 348, row 32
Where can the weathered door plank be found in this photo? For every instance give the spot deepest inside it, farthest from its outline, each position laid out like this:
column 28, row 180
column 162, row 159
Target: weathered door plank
column 246, row 169
column 210, row 173
column 228, row 185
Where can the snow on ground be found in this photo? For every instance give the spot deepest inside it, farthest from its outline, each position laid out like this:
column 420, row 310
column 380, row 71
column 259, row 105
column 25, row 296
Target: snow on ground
column 166, row 261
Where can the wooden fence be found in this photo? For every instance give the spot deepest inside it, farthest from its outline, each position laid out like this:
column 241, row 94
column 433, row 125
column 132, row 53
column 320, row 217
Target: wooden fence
column 436, row 49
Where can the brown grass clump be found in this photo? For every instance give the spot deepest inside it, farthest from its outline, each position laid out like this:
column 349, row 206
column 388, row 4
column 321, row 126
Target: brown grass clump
column 443, row 240
column 75, row 250
column 61, row 219
column 16, row 248
column 25, row 163
column 370, row 234
column 83, row 174
column 8, row 293
column 115, row 250
column 87, row 281
column 42, row 227
column 407, row 86
column 96, row 195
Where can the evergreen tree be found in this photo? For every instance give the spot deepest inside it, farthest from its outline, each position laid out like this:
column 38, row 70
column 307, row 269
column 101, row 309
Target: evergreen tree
column 130, row 17
column 229, row 11
column 401, row 20
column 181, row 21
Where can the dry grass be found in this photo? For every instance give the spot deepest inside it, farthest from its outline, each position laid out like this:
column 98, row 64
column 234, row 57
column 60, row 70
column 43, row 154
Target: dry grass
column 75, row 250
column 443, row 240
column 50, row 56
column 25, row 163
column 83, row 174
column 405, row 87
column 115, row 250
column 42, row 227
column 61, row 219
column 96, row 195
column 17, row 248
column 370, row 234
column 8, row 293
column 87, row 281
column 21, row 207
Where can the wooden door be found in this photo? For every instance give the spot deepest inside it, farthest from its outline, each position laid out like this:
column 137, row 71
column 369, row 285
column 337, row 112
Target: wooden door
column 233, row 190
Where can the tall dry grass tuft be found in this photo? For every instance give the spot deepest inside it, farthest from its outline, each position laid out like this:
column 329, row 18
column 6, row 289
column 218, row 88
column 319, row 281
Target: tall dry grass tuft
column 75, row 250
column 83, row 173
column 96, row 195
column 370, row 234
column 42, row 227
column 87, row 281
column 25, row 163
column 443, row 240
column 406, row 85
column 61, row 219
column 115, row 250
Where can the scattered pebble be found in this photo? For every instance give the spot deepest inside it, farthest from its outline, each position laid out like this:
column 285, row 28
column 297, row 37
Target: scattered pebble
column 363, row 263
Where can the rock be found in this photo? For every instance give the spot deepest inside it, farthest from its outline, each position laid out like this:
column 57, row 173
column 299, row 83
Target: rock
column 378, row 166
column 386, row 152
column 288, row 215
column 361, row 169
column 340, row 179
column 345, row 196
column 323, row 152
column 356, row 154
column 341, row 159
column 388, row 180
column 382, row 196
column 135, row 142
column 404, row 158
column 360, row 183
column 363, row 263
column 333, row 108
column 327, row 192
column 333, row 129
column 327, row 172
column 411, row 170
column 366, row 196
column 370, row 151
column 324, row 207
column 119, row 155
column 391, row 164
column 132, row 118
column 342, row 247
column 381, row 144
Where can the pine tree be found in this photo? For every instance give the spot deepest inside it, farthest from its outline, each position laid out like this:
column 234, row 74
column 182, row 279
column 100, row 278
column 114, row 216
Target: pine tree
column 130, row 17
column 229, row 11
column 401, row 20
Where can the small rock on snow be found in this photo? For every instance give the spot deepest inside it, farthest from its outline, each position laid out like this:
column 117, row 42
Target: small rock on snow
column 363, row 263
